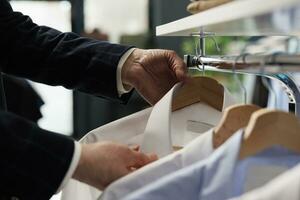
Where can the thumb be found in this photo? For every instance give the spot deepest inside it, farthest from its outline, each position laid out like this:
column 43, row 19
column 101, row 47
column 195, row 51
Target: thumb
column 138, row 159
column 178, row 66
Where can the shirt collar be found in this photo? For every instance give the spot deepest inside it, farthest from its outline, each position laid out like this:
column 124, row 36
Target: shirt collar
column 158, row 127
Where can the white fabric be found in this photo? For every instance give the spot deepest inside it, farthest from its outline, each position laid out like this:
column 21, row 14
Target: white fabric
column 120, row 86
column 133, row 128
column 197, row 150
column 285, row 186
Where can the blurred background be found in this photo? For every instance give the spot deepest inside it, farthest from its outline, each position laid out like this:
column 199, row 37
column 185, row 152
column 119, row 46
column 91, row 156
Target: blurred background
column 130, row 22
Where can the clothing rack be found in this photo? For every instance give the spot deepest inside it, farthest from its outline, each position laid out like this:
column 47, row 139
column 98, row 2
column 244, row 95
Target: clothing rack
column 236, row 19
column 281, row 61
column 274, row 66
column 277, row 66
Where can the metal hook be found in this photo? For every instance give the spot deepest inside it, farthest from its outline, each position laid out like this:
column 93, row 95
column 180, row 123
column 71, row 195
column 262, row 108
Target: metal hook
column 203, row 67
column 213, row 38
column 209, row 35
column 198, row 56
column 196, row 48
column 265, row 81
column 202, row 36
column 237, row 78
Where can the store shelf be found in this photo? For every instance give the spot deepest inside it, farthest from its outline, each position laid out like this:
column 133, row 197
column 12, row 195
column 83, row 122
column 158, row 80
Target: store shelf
column 240, row 18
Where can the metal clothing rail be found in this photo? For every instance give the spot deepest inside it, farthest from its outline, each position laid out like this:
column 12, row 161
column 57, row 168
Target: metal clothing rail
column 244, row 62
column 252, row 64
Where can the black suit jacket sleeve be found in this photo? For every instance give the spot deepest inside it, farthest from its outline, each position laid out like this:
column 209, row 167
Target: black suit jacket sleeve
column 46, row 55
column 34, row 161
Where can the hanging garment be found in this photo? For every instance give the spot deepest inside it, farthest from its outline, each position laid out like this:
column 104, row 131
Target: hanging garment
column 221, row 175
column 286, row 186
column 186, row 125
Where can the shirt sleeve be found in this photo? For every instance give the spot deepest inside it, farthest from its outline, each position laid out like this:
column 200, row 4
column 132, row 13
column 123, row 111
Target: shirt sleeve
column 120, row 87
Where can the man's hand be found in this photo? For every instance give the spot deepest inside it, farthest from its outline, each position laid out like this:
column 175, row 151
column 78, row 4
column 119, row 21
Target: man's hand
column 104, row 162
column 153, row 72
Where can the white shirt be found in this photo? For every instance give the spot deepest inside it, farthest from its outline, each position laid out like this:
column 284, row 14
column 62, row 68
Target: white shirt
column 133, row 129
column 221, row 176
column 285, row 186
column 197, row 150
column 188, row 124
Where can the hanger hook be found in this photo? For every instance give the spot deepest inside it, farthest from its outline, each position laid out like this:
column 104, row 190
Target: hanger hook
column 199, row 59
column 213, row 38
column 196, row 48
column 242, row 87
column 265, row 80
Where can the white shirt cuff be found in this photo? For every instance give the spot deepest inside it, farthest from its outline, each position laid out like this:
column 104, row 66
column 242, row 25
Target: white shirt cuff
column 120, row 86
column 72, row 167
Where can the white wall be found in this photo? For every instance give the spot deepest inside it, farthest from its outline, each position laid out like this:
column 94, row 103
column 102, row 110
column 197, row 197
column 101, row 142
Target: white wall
column 58, row 109
column 117, row 17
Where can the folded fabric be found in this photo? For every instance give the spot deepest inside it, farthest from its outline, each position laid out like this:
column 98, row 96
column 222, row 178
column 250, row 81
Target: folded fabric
column 286, row 186
column 156, row 130
column 199, row 6
column 220, row 176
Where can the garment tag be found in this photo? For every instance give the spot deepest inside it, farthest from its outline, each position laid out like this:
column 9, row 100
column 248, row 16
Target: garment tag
column 194, row 129
column 177, row 148
column 198, row 127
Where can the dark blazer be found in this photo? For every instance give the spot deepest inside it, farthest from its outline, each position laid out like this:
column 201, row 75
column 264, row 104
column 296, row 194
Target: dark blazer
column 33, row 161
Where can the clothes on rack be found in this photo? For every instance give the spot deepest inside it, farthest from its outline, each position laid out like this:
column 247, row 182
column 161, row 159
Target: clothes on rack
column 220, row 176
column 278, row 99
column 286, row 186
column 169, row 129
column 197, row 171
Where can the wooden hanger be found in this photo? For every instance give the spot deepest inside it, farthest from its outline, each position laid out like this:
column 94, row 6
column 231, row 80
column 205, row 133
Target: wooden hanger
column 199, row 89
column 268, row 128
column 234, row 118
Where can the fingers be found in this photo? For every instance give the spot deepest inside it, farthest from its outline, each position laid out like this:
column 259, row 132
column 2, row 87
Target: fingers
column 135, row 147
column 178, row 66
column 138, row 159
column 153, row 157
column 147, row 86
column 155, row 73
